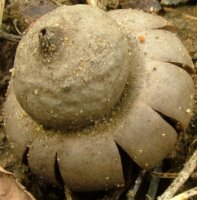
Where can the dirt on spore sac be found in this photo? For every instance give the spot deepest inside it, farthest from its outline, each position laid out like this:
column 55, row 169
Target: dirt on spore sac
column 184, row 20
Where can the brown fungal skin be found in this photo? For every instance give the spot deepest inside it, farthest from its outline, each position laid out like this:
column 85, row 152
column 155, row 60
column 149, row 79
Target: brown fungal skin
column 77, row 69
column 157, row 90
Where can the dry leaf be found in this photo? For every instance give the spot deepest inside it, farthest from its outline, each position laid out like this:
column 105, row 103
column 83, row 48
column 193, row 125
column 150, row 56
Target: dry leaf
column 11, row 189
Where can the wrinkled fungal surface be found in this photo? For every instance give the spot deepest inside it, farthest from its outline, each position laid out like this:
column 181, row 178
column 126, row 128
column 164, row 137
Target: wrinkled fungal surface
column 85, row 83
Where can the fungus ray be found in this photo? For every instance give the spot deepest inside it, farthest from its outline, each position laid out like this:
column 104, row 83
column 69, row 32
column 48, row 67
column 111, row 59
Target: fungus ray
column 42, row 157
column 162, row 45
column 133, row 21
column 18, row 125
column 22, row 130
column 145, row 136
column 164, row 85
column 90, row 163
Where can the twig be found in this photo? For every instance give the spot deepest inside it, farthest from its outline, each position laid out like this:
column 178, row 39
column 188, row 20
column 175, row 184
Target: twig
column 67, row 193
column 10, row 37
column 186, row 195
column 16, row 27
column 133, row 191
column 92, row 2
column 154, row 184
column 181, row 178
column 2, row 3
column 166, row 175
column 166, row 9
column 56, row 2
column 172, row 175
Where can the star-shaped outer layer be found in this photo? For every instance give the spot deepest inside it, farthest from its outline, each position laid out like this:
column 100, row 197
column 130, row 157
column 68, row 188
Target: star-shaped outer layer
column 160, row 95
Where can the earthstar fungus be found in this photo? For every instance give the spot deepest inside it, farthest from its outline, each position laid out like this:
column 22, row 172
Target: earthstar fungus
column 86, row 81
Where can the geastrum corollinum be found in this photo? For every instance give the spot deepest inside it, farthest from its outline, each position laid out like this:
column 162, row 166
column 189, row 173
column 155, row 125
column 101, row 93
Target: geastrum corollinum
column 85, row 82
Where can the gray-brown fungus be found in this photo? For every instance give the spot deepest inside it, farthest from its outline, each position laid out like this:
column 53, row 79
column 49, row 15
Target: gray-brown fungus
column 85, row 82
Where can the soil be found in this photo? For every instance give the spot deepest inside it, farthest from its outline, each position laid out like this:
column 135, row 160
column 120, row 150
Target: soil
column 184, row 20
